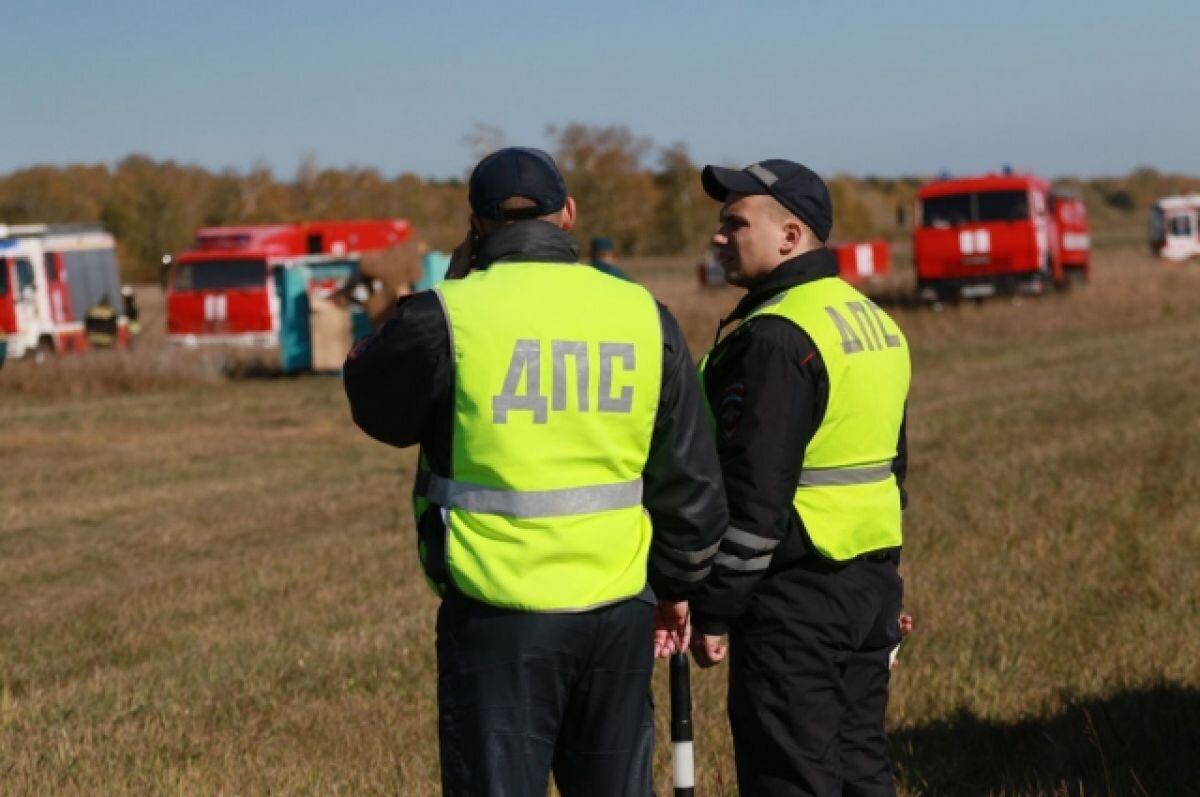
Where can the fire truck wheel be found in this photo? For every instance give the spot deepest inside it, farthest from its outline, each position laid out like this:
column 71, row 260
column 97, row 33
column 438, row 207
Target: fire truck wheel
column 929, row 293
column 45, row 348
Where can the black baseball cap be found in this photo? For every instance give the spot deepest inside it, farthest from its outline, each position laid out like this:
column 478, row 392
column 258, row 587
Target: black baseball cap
column 516, row 171
column 796, row 187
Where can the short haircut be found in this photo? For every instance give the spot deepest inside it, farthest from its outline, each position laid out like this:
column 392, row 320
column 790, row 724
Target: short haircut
column 515, row 203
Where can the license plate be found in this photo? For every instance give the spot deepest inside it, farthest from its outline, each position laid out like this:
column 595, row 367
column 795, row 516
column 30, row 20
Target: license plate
column 975, row 291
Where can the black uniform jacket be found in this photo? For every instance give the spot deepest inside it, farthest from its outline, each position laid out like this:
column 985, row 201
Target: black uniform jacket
column 400, row 382
column 768, row 389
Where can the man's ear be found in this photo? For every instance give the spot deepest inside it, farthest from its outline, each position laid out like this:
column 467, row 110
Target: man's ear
column 568, row 215
column 476, row 225
column 794, row 239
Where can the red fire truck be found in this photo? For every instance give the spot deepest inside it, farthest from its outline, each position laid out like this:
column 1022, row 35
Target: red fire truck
column 977, row 236
column 226, row 289
column 50, row 276
column 862, row 261
column 1175, row 227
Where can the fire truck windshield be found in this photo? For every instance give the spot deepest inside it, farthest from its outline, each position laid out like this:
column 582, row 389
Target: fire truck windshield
column 207, row 275
column 946, row 211
column 955, row 209
column 1179, row 225
column 1002, row 206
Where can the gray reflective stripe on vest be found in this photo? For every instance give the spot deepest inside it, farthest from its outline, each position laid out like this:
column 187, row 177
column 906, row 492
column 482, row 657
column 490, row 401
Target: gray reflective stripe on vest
column 533, row 503
column 843, row 477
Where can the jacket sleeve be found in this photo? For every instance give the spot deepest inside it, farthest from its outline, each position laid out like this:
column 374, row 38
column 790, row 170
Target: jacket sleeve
column 395, row 377
column 682, row 479
column 768, row 396
column 900, row 463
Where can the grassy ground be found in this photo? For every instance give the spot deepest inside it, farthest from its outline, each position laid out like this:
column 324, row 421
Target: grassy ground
column 208, row 585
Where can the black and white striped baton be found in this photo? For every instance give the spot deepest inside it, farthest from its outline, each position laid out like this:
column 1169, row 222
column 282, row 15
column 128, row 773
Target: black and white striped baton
column 683, row 763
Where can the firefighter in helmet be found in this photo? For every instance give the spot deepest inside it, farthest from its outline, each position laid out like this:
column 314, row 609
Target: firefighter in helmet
column 100, row 324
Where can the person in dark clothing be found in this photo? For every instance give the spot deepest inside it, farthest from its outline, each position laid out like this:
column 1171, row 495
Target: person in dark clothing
column 568, row 496
column 604, row 258
column 132, row 311
column 101, row 324
column 808, row 394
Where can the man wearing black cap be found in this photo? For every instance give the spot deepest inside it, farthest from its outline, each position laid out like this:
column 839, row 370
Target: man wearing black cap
column 808, row 393
column 567, row 483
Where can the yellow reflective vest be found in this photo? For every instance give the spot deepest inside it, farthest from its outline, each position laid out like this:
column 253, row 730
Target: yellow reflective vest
column 558, row 371
column 847, row 496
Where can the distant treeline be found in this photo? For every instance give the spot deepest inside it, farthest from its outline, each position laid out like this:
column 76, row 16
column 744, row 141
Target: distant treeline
column 645, row 197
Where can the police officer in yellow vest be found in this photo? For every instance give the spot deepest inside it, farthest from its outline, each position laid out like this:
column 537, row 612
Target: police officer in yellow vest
column 808, row 393
column 568, row 494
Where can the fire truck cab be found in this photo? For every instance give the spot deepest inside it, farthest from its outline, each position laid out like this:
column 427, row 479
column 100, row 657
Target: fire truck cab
column 50, row 276
column 1175, row 227
column 225, row 289
column 998, row 233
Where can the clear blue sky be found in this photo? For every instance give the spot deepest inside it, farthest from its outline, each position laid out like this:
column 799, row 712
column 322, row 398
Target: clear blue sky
column 888, row 88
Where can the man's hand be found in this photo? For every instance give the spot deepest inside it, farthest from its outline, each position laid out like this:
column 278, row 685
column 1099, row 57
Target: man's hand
column 906, row 627
column 672, row 628
column 462, row 256
column 708, row 650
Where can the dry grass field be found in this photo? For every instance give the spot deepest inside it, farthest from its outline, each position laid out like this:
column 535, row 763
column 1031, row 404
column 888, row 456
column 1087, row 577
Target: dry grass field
column 208, row 582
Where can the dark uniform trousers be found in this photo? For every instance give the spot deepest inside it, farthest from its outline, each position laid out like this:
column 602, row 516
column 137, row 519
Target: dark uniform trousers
column 521, row 693
column 808, row 681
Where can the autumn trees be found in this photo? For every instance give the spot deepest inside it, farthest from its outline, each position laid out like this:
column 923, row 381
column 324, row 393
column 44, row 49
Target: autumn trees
column 645, row 197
